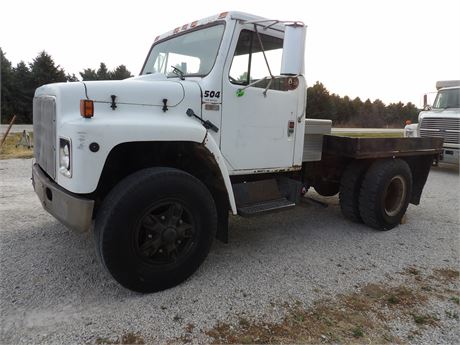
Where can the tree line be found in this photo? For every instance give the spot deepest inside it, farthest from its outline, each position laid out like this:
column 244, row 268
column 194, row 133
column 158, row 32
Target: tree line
column 18, row 85
column 347, row 112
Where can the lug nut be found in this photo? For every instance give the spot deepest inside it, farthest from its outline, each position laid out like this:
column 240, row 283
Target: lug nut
column 160, row 251
column 149, row 236
column 180, row 221
column 162, row 217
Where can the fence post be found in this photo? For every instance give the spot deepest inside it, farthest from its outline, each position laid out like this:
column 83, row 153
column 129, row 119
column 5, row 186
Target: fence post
column 8, row 130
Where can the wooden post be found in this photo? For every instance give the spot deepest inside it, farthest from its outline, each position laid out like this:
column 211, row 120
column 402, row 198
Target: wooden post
column 8, row 130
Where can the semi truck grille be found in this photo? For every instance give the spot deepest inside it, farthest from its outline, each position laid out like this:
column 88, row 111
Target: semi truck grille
column 44, row 120
column 446, row 128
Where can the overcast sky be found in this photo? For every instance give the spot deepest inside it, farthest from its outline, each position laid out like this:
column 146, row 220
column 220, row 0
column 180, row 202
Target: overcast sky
column 394, row 50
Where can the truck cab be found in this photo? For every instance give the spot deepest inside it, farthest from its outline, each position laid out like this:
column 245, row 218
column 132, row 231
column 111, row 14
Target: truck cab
column 214, row 125
column 442, row 120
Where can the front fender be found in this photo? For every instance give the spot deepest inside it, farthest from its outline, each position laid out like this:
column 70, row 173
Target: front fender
column 213, row 148
column 108, row 132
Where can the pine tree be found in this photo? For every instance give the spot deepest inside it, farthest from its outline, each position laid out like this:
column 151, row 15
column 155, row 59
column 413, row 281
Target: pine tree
column 103, row 73
column 24, row 89
column 7, row 96
column 120, row 73
column 88, row 74
column 44, row 71
column 71, row 78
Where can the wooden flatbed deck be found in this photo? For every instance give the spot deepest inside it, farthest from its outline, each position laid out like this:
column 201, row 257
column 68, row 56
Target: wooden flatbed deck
column 362, row 148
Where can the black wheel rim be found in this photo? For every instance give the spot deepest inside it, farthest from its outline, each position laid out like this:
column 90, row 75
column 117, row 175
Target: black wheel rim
column 165, row 233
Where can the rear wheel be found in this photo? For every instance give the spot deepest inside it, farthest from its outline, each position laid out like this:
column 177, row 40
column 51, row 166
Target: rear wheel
column 155, row 229
column 350, row 186
column 385, row 193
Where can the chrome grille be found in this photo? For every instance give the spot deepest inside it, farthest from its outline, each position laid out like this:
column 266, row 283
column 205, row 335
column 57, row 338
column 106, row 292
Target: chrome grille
column 44, row 120
column 441, row 127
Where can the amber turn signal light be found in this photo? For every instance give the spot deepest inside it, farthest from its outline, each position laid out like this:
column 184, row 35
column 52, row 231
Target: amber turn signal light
column 86, row 108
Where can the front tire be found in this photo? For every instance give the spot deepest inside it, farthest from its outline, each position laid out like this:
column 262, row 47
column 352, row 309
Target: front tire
column 155, row 228
column 385, row 193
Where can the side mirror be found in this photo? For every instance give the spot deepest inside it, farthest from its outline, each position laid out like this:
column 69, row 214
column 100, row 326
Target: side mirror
column 293, row 59
column 426, row 106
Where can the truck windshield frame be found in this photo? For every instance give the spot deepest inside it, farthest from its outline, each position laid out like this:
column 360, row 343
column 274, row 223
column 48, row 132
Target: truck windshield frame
column 194, row 52
column 447, row 98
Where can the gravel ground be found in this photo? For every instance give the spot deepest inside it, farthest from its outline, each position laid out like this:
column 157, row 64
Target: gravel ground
column 53, row 290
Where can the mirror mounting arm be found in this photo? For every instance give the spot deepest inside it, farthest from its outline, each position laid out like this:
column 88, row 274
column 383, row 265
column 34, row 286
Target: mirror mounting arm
column 263, row 50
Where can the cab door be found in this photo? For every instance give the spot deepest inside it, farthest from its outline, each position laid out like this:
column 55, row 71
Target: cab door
column 258, row 128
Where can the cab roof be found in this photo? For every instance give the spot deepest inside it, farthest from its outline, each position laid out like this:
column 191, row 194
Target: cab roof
column 224, row 16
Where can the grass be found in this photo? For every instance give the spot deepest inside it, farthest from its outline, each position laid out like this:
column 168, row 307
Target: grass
column 455, row 299
column 9, row 149
column 370, row 135
column 425, row 319
column 358, row 332
column 363, row 316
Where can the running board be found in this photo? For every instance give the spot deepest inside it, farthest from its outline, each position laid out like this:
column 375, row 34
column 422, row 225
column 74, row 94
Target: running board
column 265, row 207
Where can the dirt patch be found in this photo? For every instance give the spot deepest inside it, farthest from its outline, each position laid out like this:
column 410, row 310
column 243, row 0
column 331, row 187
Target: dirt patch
column 362, row 316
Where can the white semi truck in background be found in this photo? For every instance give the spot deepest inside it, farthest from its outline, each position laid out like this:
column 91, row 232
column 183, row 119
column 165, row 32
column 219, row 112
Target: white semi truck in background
column 441, row 120
column 214, row 124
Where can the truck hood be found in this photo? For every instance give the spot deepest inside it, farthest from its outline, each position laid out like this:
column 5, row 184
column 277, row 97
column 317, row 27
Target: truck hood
column 148, row 90
column 446, row 113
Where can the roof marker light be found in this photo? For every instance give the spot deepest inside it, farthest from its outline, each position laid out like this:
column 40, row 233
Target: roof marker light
column 222, row 15
column 86, row 108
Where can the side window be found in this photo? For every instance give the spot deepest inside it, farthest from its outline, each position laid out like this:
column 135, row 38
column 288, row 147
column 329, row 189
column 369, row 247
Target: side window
column 248, row 63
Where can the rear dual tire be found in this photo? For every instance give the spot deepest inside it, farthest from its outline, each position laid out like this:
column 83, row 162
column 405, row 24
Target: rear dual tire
column 350, row 188
column 378, row 195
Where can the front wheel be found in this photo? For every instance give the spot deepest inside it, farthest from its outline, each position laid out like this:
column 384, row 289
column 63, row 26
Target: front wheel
column 155, row 228
column 385, row 193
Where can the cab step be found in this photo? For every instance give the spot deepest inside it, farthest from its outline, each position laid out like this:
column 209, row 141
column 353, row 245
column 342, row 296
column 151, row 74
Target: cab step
column 263, row 196
column 265, row 207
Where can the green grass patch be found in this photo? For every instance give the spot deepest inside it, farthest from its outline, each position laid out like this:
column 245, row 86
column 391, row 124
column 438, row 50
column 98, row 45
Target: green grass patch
column 369, row 135
column 425, row 319
column 455, row 299
column 358, row 332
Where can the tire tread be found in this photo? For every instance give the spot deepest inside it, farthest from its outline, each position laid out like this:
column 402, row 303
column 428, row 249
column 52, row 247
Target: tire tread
column 369, row 195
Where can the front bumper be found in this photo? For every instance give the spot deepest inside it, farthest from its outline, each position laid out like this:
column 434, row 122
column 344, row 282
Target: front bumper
column 73, row 211
column 450, row 156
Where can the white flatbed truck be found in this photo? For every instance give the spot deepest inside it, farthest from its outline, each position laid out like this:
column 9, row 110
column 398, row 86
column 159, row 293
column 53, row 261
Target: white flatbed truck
column 215, row 124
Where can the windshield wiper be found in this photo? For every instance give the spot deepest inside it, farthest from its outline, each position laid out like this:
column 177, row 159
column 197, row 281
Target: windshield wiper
column 178, row 72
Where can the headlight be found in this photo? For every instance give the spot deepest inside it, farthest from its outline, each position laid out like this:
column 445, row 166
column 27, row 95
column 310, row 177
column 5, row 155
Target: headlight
column 65, row 157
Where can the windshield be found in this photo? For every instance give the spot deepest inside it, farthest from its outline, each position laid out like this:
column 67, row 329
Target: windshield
column 193, row 53
column 449, row 98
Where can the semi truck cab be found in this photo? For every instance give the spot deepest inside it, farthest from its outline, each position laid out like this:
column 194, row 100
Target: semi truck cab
column 441, row 120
